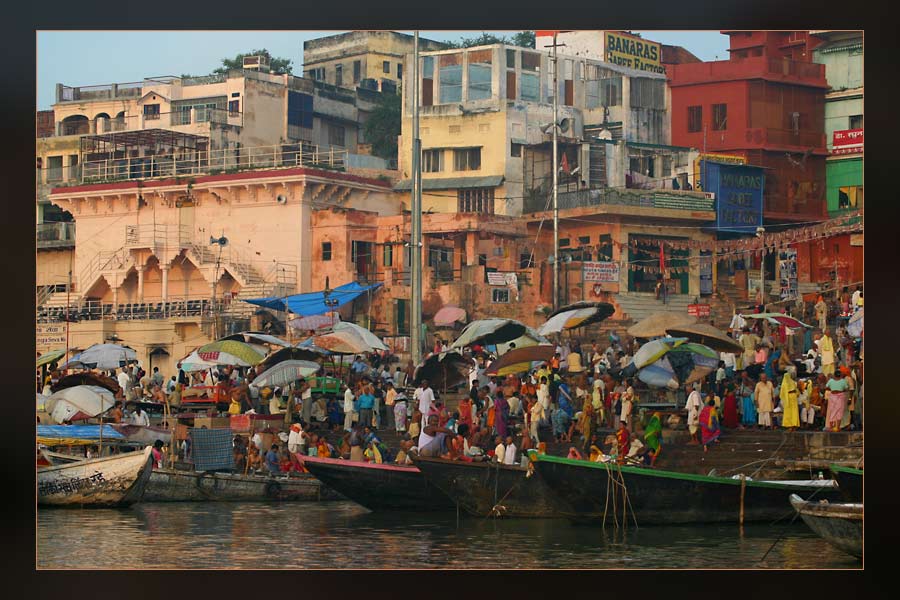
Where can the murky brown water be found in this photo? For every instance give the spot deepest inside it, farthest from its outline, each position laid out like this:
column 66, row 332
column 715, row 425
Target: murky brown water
column 344, row 535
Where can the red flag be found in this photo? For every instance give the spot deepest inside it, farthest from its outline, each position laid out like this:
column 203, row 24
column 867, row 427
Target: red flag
column 662, row 258
column 565, row 164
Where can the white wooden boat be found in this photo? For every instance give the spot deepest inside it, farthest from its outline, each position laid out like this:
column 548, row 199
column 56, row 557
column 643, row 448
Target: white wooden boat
column 117, row 480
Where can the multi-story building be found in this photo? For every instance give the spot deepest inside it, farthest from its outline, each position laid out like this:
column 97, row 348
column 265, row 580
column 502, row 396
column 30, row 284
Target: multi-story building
column 372, row 60
column 766, row 104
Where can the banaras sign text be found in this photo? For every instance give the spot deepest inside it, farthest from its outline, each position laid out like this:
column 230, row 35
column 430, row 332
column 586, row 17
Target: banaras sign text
column 632, row 52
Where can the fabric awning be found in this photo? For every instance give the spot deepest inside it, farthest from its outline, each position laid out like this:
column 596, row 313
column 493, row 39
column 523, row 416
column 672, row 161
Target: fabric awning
column 453, row 183
column 313, row 303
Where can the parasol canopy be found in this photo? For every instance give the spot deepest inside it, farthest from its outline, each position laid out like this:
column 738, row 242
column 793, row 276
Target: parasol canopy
column 306, row 352
column 529, row 338
column 285, row 373
column 256, row 338
column 708, row 336
column 367, row 336
column 653, row 350
column 692, row 362
column 489, row 332
column 855, row 324
column 601, row 311
column 346, row 341
column 576, row 317
column 657, row 324
column 78, row 403
column 314, row 322
column 222, row 353
column 659, row 374
column 443, row 370
column 778, row 319
column 449, row 315
column 520, row 360
column 49, row 357
column 87, row 378
column 102, row 356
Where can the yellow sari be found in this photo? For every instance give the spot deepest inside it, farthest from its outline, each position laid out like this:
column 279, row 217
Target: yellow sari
column 788, row 394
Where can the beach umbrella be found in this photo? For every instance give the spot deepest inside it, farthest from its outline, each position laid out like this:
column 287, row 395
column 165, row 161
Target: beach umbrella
column 374, row 342
column 449, row 315
column 256, row 338
column 707, row 335
column 520, row 360
column 656, row 324
column 102, row 356
column 489, row 332
column 285, row 373
column 576, row 315
column 87, row 378
column 653, row 350
column 692, row 362
column 78, row 403
column 314, row 322
column 307, row 353
column 779, row 319
column 659, row 374
column 855, row 324
column 529, row 338
column 49, row 357
column 342, row 342
column 443, row 370
column 220, row 354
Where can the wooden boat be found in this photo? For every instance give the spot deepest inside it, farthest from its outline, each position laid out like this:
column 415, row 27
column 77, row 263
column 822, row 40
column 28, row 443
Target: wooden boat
column 174, row 485
column 379, row 487
column 850, row 482
column 483, row 488
column 838, row 524
column 595, row 493
column 139, row 434
column 118, row 480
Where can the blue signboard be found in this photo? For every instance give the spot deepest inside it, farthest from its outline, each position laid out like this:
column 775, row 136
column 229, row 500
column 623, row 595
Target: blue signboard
column 739, row 195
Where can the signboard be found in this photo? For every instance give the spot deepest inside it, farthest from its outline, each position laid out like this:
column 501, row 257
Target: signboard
column 500, row 278
column 729, row 159
column 698, row 310
column 601, row 272
column 706, row 273
column 847, row 141
column 632, row 52
column 50, row 337
column 739, row 195
column 787, row 267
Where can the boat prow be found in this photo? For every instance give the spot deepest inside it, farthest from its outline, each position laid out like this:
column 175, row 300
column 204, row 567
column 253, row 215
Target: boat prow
column 839, row 524
column 118, row 480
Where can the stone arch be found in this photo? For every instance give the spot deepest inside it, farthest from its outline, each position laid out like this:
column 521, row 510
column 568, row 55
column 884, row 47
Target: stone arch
column 101, row 122
column 75, row 125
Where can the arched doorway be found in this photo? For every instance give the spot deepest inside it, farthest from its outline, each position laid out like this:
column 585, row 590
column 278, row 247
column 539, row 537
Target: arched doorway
column 101, row 123
column 75, row 125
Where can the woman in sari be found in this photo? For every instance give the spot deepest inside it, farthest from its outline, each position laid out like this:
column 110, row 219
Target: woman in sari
column 770, row 364
column 623, row 437
column 501, row 414
column 788, row 393
column 709, row 424
column 748, row 406
column 653, row 437
column 465, row 411
column 729, row 409
column 837, row 398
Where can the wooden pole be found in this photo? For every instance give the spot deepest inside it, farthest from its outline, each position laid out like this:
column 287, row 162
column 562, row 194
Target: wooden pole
column 743, row 489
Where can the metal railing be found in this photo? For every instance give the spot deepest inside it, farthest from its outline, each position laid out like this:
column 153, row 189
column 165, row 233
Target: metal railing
column 102, row 261
column 228, row 160
column 55, row 234
column 655, row 199
column 95, row 310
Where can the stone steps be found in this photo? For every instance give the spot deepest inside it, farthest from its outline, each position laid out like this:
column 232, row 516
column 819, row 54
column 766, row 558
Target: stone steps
column 639, row 306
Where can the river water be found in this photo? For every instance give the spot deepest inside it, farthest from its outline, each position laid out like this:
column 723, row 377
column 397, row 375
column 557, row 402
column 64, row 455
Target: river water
column 344, row 535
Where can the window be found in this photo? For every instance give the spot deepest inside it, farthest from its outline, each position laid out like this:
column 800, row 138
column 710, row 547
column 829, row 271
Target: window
column 584, row 239
column 54, row 168
column 386, row 66
column 399, row 71
column 451, row 78
column 850, row 197
column 510, row 85
column 300, row 114
column 428, row 81
column 388, row 258
column 605, row 251
column 339, row 75
column 695, row 119
column 360, row 252
column 510, row 59
column 479, row 75
column 526, row 261
column 611, row 91
column 432, row 161
column 467, row 159
column 648, row 93
column 476, row 200
column 151, row 111
column 515, row 149
column 530, row 88
column 234, row 107
column 563, row 242
column 856, row 121
column 719, row 117
column 482, row 260
column 326, row 250
column 500, row 295
column 357, row 70
column 336, row 135
column 568, row 83
column 316, row 74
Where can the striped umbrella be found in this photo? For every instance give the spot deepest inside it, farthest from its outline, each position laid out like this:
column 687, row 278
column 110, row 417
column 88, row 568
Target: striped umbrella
column 285, row 373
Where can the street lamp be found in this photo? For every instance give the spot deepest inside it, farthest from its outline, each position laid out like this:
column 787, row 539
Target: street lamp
column 221, row 242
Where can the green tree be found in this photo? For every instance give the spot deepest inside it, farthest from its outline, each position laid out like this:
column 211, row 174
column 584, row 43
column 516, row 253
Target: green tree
column 524, row 39
column 383, row 127
column 277, row 65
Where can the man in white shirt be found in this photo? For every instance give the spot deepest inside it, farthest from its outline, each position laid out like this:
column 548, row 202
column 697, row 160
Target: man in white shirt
column 426, row 402
column 509, row 454
column 123, row 381
column 514, row 405
column 139, row 417
column 729, row 359
column 499, row 450
column 854, row 299
column 693, row 405
column 348, row 408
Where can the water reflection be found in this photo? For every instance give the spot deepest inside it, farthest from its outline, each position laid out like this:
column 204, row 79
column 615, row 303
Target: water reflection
column 330, row 535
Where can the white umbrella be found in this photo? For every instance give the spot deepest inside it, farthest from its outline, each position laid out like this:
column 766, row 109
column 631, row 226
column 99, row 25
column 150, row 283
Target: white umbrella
column 102, row 356
column 368, row 337
column 855, row 325
column 285, row 373
column 88, row 400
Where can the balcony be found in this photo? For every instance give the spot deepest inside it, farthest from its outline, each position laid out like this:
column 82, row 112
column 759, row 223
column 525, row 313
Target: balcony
column 111, row 91
column 55, row 235
column 687, row 201
column 757, row 67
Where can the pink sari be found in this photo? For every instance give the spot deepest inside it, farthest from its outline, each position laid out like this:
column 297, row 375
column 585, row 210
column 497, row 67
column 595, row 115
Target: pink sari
column 836, row 402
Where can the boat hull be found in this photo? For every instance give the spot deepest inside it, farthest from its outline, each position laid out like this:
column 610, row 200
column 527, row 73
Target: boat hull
column 593, row 493
column 838, row 524
column 109, row 481
column 850, row 482
column 170, row 485
column 487, row 489
column 379, row 487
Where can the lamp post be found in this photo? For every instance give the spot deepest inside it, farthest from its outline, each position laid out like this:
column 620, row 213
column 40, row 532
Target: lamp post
column 761, row 234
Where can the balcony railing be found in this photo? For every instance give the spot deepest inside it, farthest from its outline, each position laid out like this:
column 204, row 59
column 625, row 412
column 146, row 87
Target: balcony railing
column 211, row 162
column 51, row 235
column 95, row 310
column 654, row 199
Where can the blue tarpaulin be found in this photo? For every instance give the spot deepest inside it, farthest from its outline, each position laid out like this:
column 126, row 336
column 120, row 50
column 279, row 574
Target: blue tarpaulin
column 79, row 432
column 314, row 303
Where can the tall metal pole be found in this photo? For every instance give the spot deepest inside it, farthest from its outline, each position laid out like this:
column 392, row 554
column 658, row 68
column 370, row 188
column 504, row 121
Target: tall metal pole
column 555, row 178
column 415, row 240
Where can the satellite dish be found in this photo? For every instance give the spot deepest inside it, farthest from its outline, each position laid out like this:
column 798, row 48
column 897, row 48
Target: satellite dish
column 281, row 199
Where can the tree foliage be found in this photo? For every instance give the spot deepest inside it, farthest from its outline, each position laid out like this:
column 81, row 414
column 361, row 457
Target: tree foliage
column 277, row 65
column 523, row 38
column 383, row 127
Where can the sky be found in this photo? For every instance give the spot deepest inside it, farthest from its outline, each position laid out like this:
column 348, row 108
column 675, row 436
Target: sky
column 66, row 56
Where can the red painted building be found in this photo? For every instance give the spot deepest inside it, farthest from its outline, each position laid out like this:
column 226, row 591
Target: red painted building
column 766, row 103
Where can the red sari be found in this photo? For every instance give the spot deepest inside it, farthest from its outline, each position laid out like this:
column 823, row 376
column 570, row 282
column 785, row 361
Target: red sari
column 709, row 425
column 622, row 439
column 465, row 412
column 729, row 411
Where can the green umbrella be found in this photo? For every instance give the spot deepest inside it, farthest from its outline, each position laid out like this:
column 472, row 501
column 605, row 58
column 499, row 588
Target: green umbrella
column 217, row 352
column 49, row 357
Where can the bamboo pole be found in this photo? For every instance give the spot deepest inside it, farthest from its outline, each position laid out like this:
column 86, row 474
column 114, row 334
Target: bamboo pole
column 743, row 489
